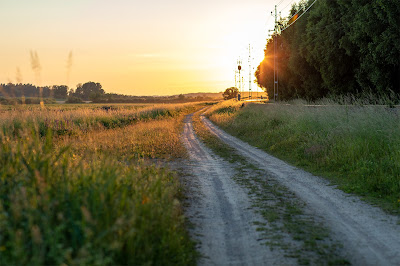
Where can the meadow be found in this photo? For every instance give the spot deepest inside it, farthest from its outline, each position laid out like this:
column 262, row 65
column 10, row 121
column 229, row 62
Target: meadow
column 78, row 186
column 356, row 146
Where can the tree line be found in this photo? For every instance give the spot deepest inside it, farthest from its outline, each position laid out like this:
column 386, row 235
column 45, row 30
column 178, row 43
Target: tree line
column 11, row 90
column 89, row 91
column 336, row 48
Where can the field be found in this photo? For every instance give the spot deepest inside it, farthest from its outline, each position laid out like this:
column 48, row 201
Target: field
column 78, row 185
column 355, row 146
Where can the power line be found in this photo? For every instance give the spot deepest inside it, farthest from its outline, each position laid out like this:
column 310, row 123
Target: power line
column 305, row 11
column 279, row 2
column 287, row 5
column 295, row 13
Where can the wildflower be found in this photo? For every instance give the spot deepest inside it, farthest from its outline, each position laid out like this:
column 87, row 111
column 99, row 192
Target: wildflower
column 145, row 199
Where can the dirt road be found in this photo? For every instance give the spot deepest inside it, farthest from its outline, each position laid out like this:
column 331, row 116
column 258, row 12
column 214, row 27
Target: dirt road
column 221, row 211
column 368, row 235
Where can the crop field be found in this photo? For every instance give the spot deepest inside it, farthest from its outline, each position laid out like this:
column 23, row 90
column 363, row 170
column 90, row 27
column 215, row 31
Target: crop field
column 355, row 146
column 78, row 186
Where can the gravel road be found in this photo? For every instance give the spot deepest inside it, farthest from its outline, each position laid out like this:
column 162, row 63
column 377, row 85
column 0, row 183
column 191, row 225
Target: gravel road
column 369, row 236
column 221, row 211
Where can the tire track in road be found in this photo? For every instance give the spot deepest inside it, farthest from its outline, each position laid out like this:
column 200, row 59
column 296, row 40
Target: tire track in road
column 369, row 236
column 221, row 211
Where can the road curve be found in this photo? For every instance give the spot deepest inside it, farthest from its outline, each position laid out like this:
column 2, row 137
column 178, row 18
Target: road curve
column 369, row 236
column 221, row 211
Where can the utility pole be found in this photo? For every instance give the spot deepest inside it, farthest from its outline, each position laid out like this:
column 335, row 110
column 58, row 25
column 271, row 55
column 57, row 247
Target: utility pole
column 274, row 35
column 239, row 62
column 250, row 94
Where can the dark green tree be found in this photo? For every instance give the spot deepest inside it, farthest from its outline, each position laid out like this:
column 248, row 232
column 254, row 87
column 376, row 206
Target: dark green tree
column 89, row 91
column 337, row 47
column 373, row 36
column 60, row 91
column 230, row 93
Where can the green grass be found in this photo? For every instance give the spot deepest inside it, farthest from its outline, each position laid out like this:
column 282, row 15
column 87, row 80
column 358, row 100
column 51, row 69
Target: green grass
column 64, row 205
column 289, row 228
column 357, row 147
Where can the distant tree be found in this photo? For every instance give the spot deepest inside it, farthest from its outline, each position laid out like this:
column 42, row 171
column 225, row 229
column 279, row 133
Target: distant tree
column 60, row 91
column 230, row 93
column 181, row 98
column 89, row 91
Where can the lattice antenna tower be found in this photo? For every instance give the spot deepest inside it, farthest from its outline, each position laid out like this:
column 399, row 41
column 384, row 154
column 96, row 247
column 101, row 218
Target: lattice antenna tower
column 250, row 59
column 239, row 67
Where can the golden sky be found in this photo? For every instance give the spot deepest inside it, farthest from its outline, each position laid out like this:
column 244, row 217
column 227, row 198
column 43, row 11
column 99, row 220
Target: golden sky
column 147, row 47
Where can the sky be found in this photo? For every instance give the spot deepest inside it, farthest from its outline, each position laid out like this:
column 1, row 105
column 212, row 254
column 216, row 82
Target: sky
column 151, row 47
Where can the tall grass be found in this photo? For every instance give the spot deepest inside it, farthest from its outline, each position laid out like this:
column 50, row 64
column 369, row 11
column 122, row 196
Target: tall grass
column 153, row 139
column 85, row 199
column 72, row 121
column 356, row 146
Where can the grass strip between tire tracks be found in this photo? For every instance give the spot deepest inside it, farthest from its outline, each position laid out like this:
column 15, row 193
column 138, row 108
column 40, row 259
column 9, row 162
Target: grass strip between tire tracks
column 288, row 227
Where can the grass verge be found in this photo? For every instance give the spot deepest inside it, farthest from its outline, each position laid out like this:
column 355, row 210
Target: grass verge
column 356, row 147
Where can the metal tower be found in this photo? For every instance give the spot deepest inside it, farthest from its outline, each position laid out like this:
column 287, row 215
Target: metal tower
column 276, row 28
column 250, row 72
column 239, row 63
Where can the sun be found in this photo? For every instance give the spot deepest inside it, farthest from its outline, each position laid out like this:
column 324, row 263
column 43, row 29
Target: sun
column 237, row 45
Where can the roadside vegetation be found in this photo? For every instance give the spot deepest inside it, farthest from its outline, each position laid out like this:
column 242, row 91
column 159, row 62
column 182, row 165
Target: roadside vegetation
column 76, row 186
column 287, row 225
column 355, row 146
column 334, row 48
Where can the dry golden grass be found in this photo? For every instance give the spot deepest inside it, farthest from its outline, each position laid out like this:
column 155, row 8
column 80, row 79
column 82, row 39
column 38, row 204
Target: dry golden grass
column 150, row 139
column 223, row 112
column 84, row 117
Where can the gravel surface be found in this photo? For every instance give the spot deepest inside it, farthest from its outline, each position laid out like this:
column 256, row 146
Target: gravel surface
column 369, row 236
column 221, row 212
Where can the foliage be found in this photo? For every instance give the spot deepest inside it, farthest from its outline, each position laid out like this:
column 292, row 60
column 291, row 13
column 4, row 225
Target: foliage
column 356, row 146
column 230, row 93
column 337, row 48
column 94, row 92
column 89, row 197
column 23, row 100
column 89, row 91
column 73, row 99
column 60, row 91
column 120, row 98
column 11, row 90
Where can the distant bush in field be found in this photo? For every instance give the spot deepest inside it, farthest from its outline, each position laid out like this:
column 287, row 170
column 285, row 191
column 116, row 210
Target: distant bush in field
column 73, row 99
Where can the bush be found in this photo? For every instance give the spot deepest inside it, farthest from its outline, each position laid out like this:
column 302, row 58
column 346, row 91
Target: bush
column 73, row 99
